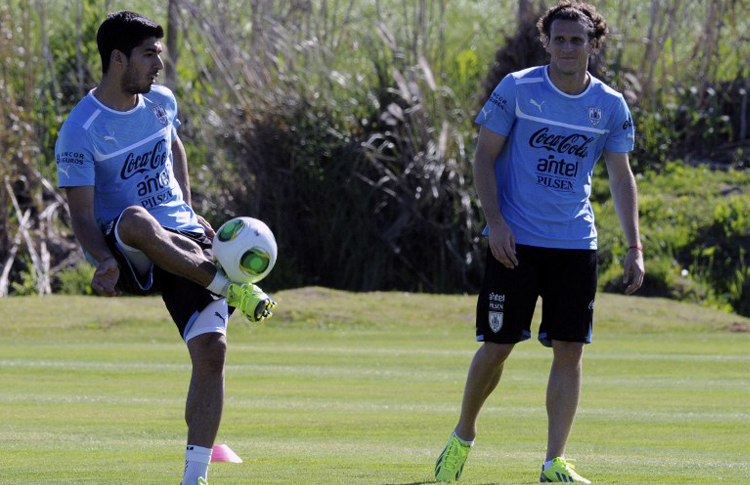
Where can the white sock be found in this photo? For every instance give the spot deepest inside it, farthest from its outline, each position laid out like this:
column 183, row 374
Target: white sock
column 470, row 443
column 219, row 285
column 197, row 459
column 547, row 464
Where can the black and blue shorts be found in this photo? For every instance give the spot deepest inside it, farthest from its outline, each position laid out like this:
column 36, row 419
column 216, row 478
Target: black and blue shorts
column 183, row 298
column 566, row 281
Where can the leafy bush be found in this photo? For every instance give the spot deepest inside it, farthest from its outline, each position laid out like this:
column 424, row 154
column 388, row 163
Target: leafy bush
column 76, row 280
column 695, row 227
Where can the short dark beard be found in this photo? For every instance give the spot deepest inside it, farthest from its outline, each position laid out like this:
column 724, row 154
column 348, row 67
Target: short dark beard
column 129, row 83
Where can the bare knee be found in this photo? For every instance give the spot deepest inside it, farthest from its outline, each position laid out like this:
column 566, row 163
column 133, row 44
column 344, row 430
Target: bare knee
column 136, row 223
column 208, row 353
column 496, row 354
column 567, row 353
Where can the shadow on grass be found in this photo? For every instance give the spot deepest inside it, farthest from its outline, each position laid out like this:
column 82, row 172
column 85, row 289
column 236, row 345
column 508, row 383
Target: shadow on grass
column 431, row 481
column 410, row 483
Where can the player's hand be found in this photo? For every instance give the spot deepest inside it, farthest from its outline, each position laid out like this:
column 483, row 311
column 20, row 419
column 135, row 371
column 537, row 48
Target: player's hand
column 105, row 278
column 634, row 271
column 503, row 245
column 210, row 233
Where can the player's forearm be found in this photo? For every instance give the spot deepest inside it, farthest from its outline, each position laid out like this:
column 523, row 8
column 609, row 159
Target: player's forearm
column 625, row 198
column 88, row 234
column 485, row 184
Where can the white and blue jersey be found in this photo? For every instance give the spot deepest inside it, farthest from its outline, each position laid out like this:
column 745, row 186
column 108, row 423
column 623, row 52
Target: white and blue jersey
column 127, row 157
column 553, row 140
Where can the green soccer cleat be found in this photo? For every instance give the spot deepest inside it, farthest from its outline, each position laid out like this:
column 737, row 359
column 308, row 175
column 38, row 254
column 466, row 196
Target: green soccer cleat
column 451, row 461
column 251, row 301
column 561, row 471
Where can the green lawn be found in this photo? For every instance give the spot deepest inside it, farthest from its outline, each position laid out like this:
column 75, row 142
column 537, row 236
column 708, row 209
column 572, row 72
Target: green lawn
column 342, row 388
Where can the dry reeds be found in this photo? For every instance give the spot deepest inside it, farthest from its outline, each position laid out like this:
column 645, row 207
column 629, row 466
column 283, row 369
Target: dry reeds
column 346, row 125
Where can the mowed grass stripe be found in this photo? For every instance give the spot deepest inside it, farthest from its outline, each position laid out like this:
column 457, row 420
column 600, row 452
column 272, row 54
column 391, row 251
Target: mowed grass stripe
column 521, row 352
column 369, row 403
column 642, row 382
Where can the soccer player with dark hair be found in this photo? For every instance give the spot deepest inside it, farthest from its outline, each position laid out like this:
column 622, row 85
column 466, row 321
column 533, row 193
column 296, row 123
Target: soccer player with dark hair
column 542, row 131
column 125, row 173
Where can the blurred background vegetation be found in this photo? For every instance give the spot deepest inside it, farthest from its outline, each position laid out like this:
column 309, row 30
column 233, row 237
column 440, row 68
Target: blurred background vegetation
column 346, row 125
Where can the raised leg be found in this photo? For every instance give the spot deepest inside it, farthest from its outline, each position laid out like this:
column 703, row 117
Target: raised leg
column 170, row 251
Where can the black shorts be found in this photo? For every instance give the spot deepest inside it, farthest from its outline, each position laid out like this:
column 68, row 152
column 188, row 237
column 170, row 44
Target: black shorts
column 564, row 278
column 183, row 298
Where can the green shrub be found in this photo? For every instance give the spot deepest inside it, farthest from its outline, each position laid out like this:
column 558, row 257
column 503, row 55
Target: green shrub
column 28, row 280
column 77, row 280
column 695, row 228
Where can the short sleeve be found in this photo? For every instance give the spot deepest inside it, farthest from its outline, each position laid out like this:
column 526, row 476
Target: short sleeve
column 74, row 157
column 176, row 123
column 622, row 132
column 499, row 112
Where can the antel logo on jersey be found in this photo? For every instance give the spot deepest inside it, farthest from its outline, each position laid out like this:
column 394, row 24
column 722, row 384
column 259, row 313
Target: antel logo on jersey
column 575, row 144
column 151, row 160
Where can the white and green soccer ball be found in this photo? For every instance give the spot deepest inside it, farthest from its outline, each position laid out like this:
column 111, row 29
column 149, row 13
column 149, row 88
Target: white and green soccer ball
column 244, row 250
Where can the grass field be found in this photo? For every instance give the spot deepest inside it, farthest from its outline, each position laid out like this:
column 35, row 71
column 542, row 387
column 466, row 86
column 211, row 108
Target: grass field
column 344, row 388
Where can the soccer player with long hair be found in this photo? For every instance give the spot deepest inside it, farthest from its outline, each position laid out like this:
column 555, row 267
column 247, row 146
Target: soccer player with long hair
column 542, row 131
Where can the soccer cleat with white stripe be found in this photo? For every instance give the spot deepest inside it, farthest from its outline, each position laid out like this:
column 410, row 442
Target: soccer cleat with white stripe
column 561, row 470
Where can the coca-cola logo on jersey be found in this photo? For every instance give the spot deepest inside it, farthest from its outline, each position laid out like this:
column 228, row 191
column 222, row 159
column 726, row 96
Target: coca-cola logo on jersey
column 573, row 144
column 136, row 163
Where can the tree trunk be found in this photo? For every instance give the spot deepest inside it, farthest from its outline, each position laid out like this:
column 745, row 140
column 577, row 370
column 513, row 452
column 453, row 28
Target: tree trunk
column 526, row 12
column 79, row 51
column 173, row 49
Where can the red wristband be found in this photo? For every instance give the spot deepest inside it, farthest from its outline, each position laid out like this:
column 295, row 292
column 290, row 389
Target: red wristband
column 638, row 248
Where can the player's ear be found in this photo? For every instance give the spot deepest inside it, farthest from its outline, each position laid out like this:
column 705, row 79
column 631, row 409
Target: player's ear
column 118, row 57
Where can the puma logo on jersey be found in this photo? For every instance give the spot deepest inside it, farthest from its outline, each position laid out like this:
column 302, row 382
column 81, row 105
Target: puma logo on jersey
column 538, row 105
column 109, row 138
column 64, row 170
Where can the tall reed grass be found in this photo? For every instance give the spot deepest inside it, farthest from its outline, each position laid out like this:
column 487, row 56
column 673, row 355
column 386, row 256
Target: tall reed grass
column 347, row 125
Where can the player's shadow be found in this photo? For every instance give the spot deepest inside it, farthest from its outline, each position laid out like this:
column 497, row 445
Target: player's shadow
column 431, row 481
column 410, row 483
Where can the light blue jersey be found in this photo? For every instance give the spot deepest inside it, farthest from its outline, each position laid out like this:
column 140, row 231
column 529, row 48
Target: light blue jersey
column 127, row 157
column 553, row 141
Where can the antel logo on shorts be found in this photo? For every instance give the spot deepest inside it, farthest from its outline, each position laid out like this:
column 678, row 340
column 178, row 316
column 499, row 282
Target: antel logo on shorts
column 495, row 316
column 497, row 302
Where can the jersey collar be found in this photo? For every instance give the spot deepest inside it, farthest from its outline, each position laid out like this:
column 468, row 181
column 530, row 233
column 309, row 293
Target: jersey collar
column 563, row 93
